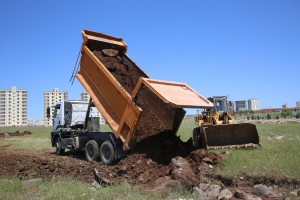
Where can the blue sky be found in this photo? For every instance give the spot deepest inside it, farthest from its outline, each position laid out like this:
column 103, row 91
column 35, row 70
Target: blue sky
column 243, row 49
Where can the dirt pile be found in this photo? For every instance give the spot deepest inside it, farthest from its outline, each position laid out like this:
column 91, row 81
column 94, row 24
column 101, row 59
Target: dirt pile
column 157, row 117
column 137, row 169
column 16, row 133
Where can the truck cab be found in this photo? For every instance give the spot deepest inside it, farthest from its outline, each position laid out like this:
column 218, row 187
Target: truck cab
column 76, row 127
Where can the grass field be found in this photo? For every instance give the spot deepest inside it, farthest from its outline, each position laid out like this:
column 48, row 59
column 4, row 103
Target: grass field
column 278, row 157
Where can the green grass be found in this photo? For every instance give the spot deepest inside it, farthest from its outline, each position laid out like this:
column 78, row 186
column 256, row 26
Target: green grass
column 279, row 155
column 186, row 128
column 73, row 189
column 38, row 140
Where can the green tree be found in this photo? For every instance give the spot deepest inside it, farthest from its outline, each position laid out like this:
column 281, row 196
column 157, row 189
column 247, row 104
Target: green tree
column 298, row 115
column 286, row 114
column 268, row 116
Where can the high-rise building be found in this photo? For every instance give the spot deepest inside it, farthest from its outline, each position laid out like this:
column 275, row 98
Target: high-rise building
column 50, row 99
column 86, row 97
column 13, row 107
column 241, row 105
column 253, row 104
column 298, row 104
column 231, row 105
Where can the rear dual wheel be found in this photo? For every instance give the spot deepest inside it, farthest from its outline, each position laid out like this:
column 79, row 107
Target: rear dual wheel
column 92, row 151
column 106, row 152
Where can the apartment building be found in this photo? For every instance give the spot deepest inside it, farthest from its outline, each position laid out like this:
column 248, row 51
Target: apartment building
column 13, row 107
column 86, row 97
column 253, row 104
column 50, row 100
column 241, row 105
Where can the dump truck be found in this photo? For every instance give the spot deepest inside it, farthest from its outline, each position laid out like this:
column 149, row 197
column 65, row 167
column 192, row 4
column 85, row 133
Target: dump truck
column 135, row 106
column 218, row 129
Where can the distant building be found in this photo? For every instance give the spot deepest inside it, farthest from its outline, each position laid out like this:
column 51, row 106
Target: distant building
column 86, row 97
column 241, row 105
column 50, row 99
column 253, row 104
column 35, row 122
column 285, row 106
column 13, row 107
column 298, row 104
column 231, row 105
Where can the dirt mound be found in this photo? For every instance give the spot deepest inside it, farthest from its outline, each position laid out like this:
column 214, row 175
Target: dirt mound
column 137, row 169
column 16, row 133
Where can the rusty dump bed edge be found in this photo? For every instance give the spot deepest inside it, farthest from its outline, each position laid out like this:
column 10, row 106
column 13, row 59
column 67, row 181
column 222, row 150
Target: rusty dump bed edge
column 113, row 101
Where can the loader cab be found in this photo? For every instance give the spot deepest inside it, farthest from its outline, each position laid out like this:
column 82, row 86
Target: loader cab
column 220, row 104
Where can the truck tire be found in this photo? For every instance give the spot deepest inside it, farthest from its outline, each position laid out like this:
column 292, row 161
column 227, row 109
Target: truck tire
column 58, row 147
column 107, row 153
column 92, row 151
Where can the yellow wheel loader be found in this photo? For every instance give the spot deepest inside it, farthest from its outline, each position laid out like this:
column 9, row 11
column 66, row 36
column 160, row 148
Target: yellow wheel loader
column 217, row 128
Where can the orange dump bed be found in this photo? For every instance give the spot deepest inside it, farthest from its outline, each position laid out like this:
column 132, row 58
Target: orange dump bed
column 129, row 109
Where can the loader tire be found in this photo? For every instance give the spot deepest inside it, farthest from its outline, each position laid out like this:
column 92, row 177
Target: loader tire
column 107, row 153
column 58, row 147
column 92, row 151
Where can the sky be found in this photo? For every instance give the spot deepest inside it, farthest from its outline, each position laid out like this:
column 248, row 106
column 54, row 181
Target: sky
column 242, row 49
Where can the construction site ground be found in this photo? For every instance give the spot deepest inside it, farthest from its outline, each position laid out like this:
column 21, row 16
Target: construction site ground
column 184, row 168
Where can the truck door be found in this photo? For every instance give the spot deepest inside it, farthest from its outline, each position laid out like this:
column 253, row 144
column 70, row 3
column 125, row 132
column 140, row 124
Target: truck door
column 57, row 117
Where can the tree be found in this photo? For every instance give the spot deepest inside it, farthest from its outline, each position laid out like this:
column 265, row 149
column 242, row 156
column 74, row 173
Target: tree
column 268, row 116
column 286, row 114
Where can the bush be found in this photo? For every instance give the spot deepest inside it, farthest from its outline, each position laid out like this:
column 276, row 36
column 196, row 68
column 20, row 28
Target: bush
column 277, row 117
column 268, row 116
column 248, row 117
column 252, row 117
column 298, row 115
column 286, row 114
column 258, row 117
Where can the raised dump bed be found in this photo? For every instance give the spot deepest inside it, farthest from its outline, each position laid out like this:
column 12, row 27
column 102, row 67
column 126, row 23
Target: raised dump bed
column 135, row 106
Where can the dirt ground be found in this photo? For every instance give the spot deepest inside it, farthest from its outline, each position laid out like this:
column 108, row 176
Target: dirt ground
column 174, row 165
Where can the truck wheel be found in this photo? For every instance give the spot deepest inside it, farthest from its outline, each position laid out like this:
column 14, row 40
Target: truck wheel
column 107, row 153
column 92, row 151
column 58, row 147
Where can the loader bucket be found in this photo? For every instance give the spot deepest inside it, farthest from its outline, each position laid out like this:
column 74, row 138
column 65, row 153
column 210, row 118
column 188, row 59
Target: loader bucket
column 230, row 135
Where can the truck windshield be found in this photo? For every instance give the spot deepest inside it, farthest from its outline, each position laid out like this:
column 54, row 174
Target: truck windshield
column 56, row 111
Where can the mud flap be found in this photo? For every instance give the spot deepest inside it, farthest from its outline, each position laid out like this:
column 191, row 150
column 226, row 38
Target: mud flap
column 227, row 135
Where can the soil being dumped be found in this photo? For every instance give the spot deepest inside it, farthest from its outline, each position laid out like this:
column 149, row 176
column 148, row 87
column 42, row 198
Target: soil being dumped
column 157, row 117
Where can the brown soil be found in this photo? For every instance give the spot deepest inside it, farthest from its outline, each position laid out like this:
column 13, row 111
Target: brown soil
column 14, row 134
column 157, row 117
column 137, row 169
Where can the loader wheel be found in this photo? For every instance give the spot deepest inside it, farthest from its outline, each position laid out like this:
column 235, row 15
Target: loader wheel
column 107, row 153
column 92, row 151
column 58, row 147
